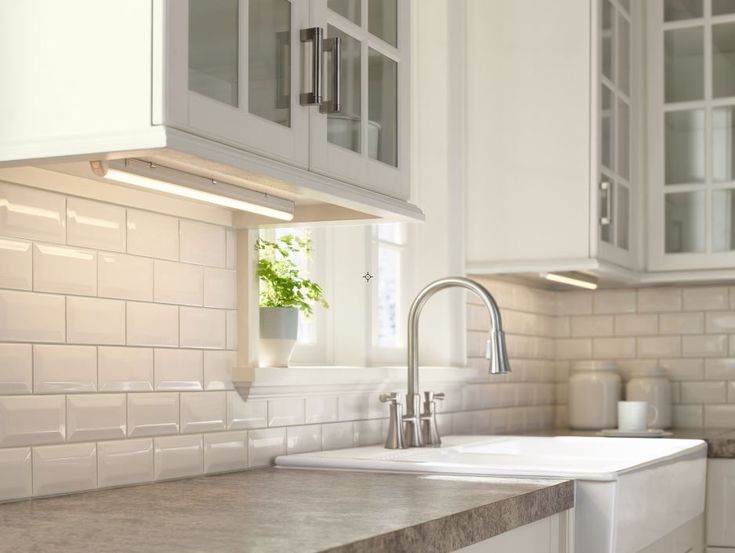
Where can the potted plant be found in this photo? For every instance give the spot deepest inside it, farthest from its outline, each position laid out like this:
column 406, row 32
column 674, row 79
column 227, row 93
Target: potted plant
column 283, row 293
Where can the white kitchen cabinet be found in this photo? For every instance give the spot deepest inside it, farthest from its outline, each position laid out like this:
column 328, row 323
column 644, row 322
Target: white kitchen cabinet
column 550, row 160
column 721, row 503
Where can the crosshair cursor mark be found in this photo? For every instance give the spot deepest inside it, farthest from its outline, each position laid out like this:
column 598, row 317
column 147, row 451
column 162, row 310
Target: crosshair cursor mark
column 367, row 276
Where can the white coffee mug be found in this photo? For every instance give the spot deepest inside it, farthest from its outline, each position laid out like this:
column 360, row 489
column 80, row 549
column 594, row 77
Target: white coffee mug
column 634, row 416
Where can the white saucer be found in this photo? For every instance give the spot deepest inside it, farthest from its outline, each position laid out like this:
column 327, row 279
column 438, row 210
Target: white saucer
column 650, row 433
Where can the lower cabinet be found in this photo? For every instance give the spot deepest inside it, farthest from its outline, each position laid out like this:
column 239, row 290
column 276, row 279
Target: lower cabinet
column 688, row 538
column 721, row 505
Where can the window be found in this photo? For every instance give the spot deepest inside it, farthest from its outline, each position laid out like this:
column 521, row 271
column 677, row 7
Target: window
column 388, row 247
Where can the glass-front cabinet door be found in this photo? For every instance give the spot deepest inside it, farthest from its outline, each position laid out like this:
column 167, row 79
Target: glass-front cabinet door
column 691, row 45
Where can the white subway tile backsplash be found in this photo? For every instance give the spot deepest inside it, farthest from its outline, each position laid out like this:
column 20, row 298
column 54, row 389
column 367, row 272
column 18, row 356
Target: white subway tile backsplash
column 231, row 330
column 225, row 451
column 304, row 439
column 125, row 277
column 29, row 317
column 58, row 369
column 151, row 414
column 95, row 321
column 230, row 249
column 683, row 369
column 688, row 416
column 714, row 345
column 203, row 412
column 338, row 435
column 95, row 225
column 659, row 300
column 124, row 462
column 719, row 369
column 93, row 417
column 265, row 445
column 353, row 407
column 368, row 432
column 124, row 369
column 681, row 323
column 243, row 414
column 67, row 468
column 178, row 283
column 719, row 416
column 721, row 321
column 703, row 392
column 16, row 262
column 202, row 328
column 321, row 409
column 64, row 270
column 614, row 301
column 32, row 420
column 574, row 348
column 285, row 412
column 659, row 346
column 574, row 303
column 150, row 324
column 32, row 214
column 203, row 244
column 705, row 298
column 636, row 325
column 178, row 456
column 220, row 288
column 588, row 326
column 16, row 369
column 218, row 369
column 178, row 369
column 15, row 473
column 152, row 235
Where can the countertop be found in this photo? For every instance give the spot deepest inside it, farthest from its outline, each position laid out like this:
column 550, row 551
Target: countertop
column 277, row 510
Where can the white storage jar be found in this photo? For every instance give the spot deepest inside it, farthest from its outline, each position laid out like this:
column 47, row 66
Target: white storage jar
column 652, row 385
column 595, row 388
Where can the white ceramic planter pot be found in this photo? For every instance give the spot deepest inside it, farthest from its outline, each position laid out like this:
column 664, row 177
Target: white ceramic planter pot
column 279, row 327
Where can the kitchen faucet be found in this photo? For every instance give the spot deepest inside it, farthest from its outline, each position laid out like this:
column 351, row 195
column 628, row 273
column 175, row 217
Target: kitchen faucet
column 418, row 428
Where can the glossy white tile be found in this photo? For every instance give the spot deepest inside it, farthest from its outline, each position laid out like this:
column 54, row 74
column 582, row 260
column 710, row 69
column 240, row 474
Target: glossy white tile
column 231, row 249
column 29, row 317
column 178, row 369
column 220, row 288
column 124, row 462
column 64, row 270
column 202, row 328
column 93, row 417
column 203, row 411
column 178, row 283
column 152, row 414
column 152, row 235
column 202, row 243
column 60, row 368
column 178, row 457
column 321, row 409
column 150, row 324
column 125, row 276
column 243, row 414
column 32, row 420
column 303, row 439
column 714, row 345
column 265, row 445
column 95, row 321
column 337, row 435
column 16, row 262
column 218, row 369
column 16, row 369
column 225, row 451
column 681, row 323
column 707, row 298
column 661, row 300
column 15, row 473
column 285, row 412
column 353, row 407
column 368, row 432
column 125, row 369
column 95, row 225
column 67, row 468
column 231, row 329
column 33, row 214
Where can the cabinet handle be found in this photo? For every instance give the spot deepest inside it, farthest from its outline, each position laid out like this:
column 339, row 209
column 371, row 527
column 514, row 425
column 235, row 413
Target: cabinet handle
column 334, row 104
column 606, row 217
column 313, row 35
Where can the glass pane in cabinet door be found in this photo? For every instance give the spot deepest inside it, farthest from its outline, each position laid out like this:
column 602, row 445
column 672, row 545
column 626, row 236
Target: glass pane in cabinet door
column 623, row 116
column 676, row 10
column 607, row 129
column 349, row 9
column 684, row 226
column 343, row 128
column 722, row 7
column 684, row 148
column 382, row 108
column 723, row 144
column 684, row 64
column 723, row 224
column 723, row 60
column 269, row 60
column 622, row 215
column 213, row 49
column 623, row 54
column 383, row 20
column 625, row 4
column 607, row 39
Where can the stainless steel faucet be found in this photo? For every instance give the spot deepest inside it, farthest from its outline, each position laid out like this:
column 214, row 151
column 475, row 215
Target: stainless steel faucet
column 418, row 428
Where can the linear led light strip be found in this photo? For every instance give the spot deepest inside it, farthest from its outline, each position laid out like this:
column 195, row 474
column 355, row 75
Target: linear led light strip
column 573, row 279
column 179, row 183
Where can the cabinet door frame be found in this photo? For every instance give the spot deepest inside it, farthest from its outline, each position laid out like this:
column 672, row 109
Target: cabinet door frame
column 235, row 126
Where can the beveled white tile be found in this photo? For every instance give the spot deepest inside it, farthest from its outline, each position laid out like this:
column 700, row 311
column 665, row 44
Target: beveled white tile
column 152, row 235
column 231, row 248
column 353, row 407
column 659, row 300
column 203, row 411
column 714, row 345
column 285, row 412
column 93, row 417
column 719, row 416
column 368, row 432
column 688, row 416
column 95, row 321
column 125, row 369
column 636, row 325
column 721, row 321
column 681, row 323
column 614, row 301
column 574, row 348
column 304, row 439
column 178, row 283
column 29, row 317
column 202, row 243
column 218, row 369
column 243, row 414
column 321, row 409
column 661, row 346
column 64, row 270
column 613, row 348
column 705, row 298
column 95, row 225
column 592, row 325
column 59, row 369
column 265, row 445
column 719, row 369
column 202, row 328
column 32, row 420
column 16, row 369
column 178, row 369
column 150, row 324
column 338, row 435
column 124, row 462
column 703, row 392
column 152, row 414
column 574, row 303
column 125, row 276
column 33, row 214
column 225, row 451
column 15, row 473
column 231, row 330
column 220, row 288
column 16, row 260
column 178, row 456
column 64, row 469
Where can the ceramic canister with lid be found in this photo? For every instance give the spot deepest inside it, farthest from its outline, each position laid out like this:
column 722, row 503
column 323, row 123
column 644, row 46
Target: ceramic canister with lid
column 652, row 385
column 595, row 388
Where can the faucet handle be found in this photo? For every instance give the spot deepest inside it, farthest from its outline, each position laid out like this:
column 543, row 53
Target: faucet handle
column 392, row 398
column 433, row 396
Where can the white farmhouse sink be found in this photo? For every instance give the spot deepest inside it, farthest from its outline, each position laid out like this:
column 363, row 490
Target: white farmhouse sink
column 629, row 492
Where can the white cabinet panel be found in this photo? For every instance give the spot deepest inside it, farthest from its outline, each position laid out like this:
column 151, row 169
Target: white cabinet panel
column 721, row 502
column 548, row 535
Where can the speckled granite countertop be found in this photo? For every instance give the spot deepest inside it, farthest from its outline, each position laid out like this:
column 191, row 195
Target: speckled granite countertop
column 278, row 510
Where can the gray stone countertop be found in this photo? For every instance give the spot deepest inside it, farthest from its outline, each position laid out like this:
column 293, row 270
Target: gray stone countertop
column 284, row 510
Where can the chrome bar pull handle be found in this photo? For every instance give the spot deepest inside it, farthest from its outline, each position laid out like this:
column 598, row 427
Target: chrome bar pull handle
column 606, row 218
column 334, row 103
column 315, row 36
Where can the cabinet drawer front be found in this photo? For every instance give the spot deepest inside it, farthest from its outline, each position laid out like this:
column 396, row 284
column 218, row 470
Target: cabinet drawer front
column 721, row 502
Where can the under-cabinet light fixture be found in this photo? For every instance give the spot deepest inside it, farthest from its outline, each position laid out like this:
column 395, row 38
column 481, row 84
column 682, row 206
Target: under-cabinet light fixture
column 143, row 174
column 573, row 278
